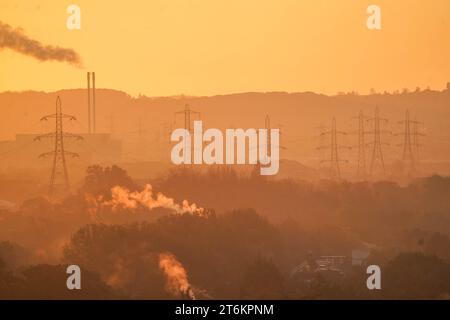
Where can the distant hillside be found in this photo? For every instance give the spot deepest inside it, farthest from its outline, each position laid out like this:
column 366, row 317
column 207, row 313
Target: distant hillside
column 299, row 115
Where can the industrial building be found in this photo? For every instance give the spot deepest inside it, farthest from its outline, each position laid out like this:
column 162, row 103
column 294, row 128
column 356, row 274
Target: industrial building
column 24, row 151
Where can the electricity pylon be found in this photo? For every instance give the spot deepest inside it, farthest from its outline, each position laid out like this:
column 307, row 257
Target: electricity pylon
column 269, row 138
column 268, row 127
column 188, row 113
column 410, row 144
column 335, row 169
column 362, row 168
column 416, row 133
column 59, row 178
column 321, row 128
column 377, row 154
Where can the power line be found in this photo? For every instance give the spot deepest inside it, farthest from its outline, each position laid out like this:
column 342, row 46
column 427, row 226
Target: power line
column 362, row 166
column 269, row 138
column 268, row 128
column 334, row 160
column 377, row 154
column 410, row 155
column 188, row 113
column 321, row 146
column 416, row 134
column 59, row 178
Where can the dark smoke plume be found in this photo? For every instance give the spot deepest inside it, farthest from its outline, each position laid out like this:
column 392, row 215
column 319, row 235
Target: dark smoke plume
column 16, row 40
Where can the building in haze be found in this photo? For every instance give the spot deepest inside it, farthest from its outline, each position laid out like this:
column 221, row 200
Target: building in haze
column 24, row 151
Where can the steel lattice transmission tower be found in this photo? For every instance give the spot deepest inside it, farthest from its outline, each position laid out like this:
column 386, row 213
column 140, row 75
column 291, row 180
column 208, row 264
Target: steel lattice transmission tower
column 59, row 179
column 268, row 127
column 362, row 168
column 321, row 128
column 377, row 154
column 335, row 169
column 416, row 133
column 188, row 115
column 269, row 138
column 410, row 144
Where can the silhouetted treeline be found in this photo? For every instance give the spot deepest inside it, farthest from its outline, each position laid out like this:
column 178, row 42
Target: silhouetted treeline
column 257, row 232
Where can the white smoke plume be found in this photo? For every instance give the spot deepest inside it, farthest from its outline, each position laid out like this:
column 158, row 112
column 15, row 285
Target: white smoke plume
column 123, row 198
column 16, row 40
column 177, row 282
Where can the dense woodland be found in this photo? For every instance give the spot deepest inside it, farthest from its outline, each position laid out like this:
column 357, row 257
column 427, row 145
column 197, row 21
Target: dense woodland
column 253, row 233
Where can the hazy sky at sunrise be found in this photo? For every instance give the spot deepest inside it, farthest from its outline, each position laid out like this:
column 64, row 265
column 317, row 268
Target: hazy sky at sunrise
column 206, row 47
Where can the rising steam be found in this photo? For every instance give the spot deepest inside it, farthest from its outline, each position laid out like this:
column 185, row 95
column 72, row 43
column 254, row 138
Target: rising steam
column 123, row 198
column 16, row 40
column 177, row 282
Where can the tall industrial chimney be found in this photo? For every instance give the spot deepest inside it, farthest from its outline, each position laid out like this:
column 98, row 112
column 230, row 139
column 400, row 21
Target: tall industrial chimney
column 93, row 101
column 91, row 112
column 89, row 100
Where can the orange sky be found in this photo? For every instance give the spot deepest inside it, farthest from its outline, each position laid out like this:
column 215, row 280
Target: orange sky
column 205, row 47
